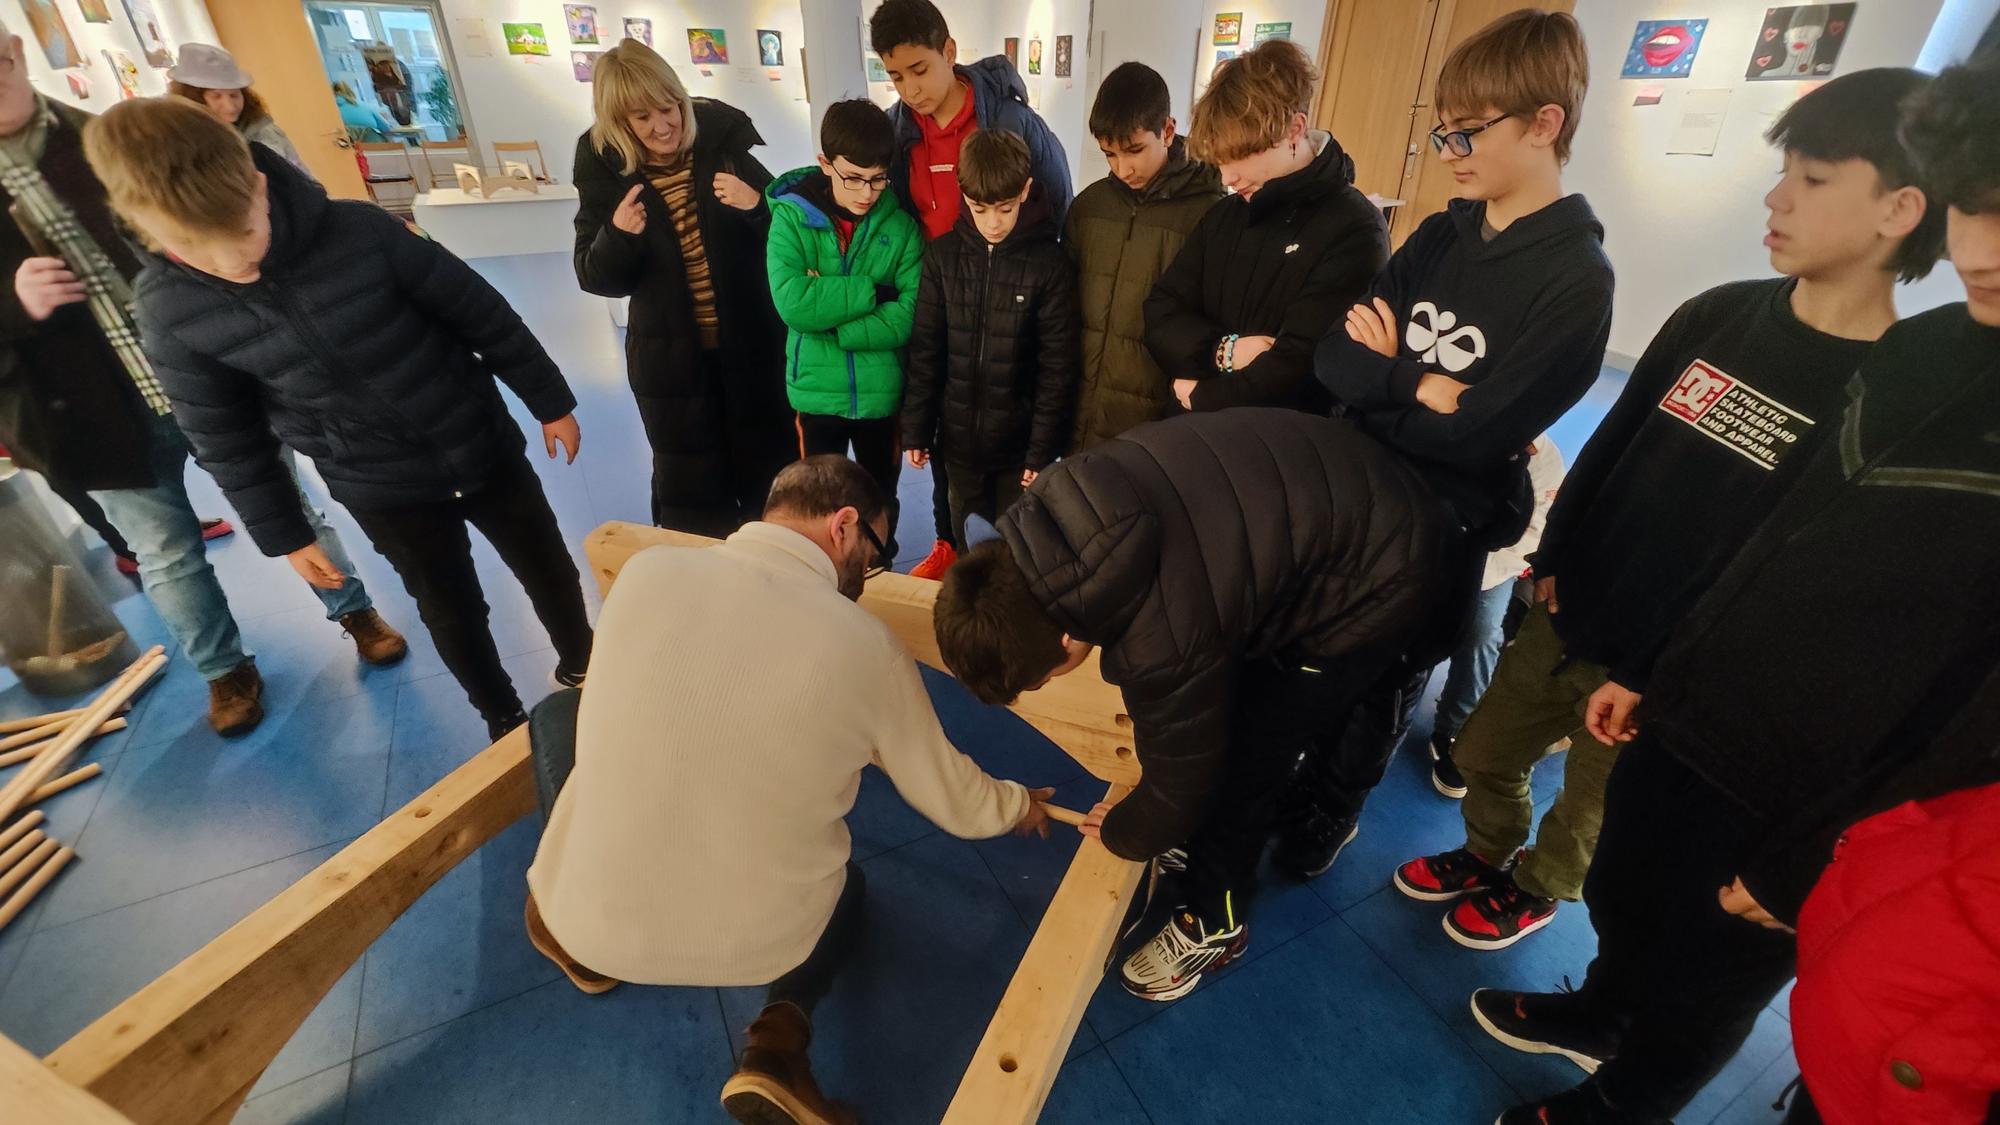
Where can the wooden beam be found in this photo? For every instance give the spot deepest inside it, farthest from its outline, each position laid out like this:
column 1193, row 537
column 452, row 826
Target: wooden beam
column 1016, row 1062
column 32, row 1092
column 185, row 1049
column 1078, row 712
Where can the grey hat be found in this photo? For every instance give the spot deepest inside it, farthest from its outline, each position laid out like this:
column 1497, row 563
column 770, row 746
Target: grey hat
column 208, row 68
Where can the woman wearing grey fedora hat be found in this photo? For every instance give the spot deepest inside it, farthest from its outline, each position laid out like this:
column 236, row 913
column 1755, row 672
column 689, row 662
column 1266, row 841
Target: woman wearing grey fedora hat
column 209, row 77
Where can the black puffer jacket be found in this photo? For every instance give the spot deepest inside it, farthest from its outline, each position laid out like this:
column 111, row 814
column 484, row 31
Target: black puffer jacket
column 368, row 348
column 1288, row 262
column 1189, row 546
column 67, row 405
column 698, row 427
column 996, row 349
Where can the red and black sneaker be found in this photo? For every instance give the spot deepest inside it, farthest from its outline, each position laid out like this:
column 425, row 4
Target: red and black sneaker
column 1498, row 916
column 1447, row 875
column 1548, row 1023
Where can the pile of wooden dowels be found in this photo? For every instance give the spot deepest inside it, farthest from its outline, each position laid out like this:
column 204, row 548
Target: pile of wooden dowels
column 29, row 858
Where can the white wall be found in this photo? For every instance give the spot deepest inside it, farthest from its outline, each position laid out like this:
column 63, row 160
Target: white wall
column 1676, row 225
column 526, row 97
column 185, row 21
column 1307, row 17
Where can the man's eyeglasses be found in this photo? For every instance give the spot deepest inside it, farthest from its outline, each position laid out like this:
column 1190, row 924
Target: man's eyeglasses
column 1459, row 141
column 882, row 561
column 863, row 183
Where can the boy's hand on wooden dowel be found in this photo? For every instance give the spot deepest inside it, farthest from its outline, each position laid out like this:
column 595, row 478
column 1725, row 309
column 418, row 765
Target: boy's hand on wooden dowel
column 563, row 432
column 630, row 216
column 1439, row 393
column 1035, row 822
column 919, row 458
column 1373, row 326
column 318, row 570
column 1093, row 822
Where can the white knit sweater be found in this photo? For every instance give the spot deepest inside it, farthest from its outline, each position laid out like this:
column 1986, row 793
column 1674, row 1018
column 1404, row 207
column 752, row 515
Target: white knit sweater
column 734, row 696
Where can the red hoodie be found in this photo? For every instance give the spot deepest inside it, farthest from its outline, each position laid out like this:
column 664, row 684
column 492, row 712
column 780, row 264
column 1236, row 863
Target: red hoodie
column 1896, row 1017
column 934, row 166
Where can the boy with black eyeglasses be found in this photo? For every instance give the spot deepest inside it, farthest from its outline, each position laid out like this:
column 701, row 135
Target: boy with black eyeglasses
column 844, row 262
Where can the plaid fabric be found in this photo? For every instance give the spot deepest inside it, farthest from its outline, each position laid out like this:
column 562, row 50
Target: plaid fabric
column 109, row 294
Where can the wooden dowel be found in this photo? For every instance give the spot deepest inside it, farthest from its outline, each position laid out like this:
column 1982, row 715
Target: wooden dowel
column 20, row 827
column 33, row 887
column 30, row 722
column 1065, row 815
column 17, row 791
column 36, row 734
column 15, row 757
column 28, row 866
column 69, row 780
column 58, row 596
column 21, row 847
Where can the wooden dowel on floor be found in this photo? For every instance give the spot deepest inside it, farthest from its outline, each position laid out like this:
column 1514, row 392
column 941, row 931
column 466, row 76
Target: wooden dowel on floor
column 30, row 722
column 21, row 847
column 28, row 866
column 42, row 878
column 36, row 734
column 20, row 828
column 1065, row 815
column 17, row 791
column 69, row 780
column 15, row 757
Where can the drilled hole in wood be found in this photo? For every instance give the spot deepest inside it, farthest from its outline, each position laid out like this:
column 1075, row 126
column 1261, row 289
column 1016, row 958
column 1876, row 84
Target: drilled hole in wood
column 1123, row 721
column 1008, row 1064
column 1124, row 752
column 422, row 813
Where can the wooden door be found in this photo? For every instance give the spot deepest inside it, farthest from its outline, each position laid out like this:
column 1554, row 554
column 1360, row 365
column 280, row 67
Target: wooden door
column 1372, row 63
column 275, row 44
column 1429, row 184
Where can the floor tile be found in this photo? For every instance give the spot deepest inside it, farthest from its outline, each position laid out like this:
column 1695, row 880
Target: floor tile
column 1090, row 1091
column 1003, row 744
column 70, row 975
column 1755, row 1104
column 1770, row 1044
column 881, row 820
column 554, row 1055
column 320, row 1099
column 1307, row 1034
column 436, row 730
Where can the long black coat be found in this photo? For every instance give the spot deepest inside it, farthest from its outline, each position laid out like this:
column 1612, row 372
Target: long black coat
column 364, row 346
column 1189, row 546
column 1288, row 262
column 67, row 405
column 996, row 348
column 720, row 429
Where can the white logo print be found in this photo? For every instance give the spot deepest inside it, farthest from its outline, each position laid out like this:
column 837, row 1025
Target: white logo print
column 1430, row 332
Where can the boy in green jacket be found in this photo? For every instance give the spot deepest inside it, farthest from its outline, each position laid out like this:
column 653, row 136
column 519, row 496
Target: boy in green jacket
column 844, row 263
column 1122, row 231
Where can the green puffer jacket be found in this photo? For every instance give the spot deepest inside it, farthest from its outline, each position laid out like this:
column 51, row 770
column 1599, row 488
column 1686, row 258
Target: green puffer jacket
column 1122, row 241
column 843, row 351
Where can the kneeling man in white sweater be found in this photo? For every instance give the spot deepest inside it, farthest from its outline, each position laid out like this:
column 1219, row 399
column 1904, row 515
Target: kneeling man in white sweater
column 735, row 693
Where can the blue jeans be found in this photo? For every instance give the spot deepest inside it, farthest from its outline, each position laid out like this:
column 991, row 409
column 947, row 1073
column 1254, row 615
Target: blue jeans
column 1472, row 665
column 160, row 525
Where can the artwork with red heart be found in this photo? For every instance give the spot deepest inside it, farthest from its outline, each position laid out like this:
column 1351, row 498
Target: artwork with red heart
column 1800, row 42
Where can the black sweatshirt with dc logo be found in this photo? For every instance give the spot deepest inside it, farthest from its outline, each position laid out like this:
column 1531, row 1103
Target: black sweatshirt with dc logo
column 1521, row 317
column 1732, row 395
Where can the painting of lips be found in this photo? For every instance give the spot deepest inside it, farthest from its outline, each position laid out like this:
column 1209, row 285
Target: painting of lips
column 1800, row 42
column 1663, row 48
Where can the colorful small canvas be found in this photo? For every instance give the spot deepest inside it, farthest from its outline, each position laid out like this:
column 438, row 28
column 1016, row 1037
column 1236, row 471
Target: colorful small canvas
column 582, row 21
column 639, row 29
column 525, row 38
column 708, row 46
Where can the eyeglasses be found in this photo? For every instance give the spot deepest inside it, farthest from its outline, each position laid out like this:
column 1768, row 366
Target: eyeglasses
column 1460, row 140
column 882, row 560
column 863, row 183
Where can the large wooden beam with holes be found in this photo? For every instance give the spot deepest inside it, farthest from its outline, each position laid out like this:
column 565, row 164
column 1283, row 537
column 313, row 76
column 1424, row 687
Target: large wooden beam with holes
column 187, row 1048
column 1078, row 712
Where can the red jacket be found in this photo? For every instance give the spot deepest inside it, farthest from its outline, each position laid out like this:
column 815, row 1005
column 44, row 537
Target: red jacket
column 1896, row 1017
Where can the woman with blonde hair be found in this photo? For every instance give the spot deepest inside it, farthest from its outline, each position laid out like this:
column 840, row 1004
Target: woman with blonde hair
column 209, row 77
column 672, row 214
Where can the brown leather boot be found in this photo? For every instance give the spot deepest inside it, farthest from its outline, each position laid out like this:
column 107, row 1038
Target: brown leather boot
column 235, row 701
column 545, row 943
column 773, row 1085
column 373, row 638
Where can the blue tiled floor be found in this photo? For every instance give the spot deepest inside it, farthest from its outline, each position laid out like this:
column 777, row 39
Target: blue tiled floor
column 1350, row 1006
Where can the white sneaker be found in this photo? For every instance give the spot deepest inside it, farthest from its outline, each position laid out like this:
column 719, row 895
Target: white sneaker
column 1173, row 963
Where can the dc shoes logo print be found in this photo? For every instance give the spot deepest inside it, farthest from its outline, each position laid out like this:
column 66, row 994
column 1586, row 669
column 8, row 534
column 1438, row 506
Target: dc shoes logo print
column 1430, row 333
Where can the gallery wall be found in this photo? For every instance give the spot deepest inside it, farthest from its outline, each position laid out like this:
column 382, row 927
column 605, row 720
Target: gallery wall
column 95, row 27
column 1678, row 224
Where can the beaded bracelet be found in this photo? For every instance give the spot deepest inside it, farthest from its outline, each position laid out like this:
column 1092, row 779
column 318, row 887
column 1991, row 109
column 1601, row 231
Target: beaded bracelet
column 1225, row 353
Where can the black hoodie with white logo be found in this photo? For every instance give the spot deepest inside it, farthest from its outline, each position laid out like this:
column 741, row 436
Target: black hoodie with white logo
column 1521, row 318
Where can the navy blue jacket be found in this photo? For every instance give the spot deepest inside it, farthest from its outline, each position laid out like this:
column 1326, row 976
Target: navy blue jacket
column 999, row 101
column 365, row 346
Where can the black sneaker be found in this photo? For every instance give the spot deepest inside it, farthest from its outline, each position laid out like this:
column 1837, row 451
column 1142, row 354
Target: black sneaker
column 1582, row 1105
column 1445, row 777
column 1546, row 1023
column 1170, row 965
column 566, row 678
column 497, row 729
column 1308, row 847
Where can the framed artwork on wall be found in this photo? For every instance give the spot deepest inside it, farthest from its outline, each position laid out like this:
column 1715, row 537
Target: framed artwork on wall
column 639, row 29
column 770, row 47
column 1799, row 42
column 52, row 33
column 1228, row 29
column 708, row 46
column 582, row 21
column 1663, row 48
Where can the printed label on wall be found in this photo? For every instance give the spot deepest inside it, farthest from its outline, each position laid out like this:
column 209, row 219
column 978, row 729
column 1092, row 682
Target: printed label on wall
column 1736, row 414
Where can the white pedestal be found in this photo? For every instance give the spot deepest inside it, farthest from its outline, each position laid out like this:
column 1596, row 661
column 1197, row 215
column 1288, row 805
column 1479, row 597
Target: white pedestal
column 512, row 222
